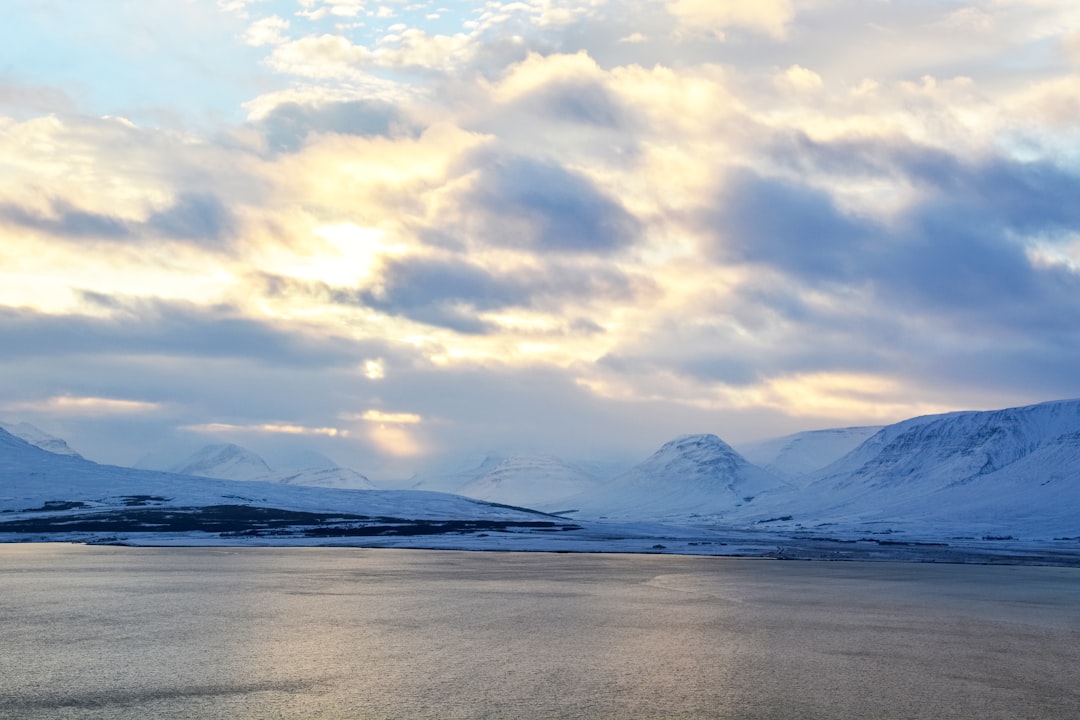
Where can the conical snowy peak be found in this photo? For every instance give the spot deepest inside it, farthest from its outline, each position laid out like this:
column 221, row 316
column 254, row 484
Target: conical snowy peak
column 693, row 476
column 696, row 453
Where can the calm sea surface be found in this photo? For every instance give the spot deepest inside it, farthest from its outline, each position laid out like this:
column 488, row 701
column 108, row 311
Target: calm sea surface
column 96, row 632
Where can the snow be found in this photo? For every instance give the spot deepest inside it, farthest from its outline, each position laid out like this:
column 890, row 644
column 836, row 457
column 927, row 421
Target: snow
column 232, row 462
column 692, row 477
column 38, row 438
column 226, row 461
column 1006, row 473
column 33, row 477
column 1012, row 472
column 965, row 482
column 530, row 480
column 458, row 475
column 328, row 477
column 796, row 456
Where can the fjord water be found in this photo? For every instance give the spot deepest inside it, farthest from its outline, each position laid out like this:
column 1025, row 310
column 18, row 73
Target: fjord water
column 104, row 632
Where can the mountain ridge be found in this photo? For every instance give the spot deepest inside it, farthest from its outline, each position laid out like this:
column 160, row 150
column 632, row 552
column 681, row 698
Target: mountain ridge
column 229, row 461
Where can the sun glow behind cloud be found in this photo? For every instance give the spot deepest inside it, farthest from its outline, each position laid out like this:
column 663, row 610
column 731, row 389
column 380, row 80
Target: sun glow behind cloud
column 269, row 428
column 69, row 405
column 805, row 212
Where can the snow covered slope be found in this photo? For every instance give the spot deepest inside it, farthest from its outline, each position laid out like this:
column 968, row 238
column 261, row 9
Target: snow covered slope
column 798, row 455
column 451, row 476
column 42, row 489
column 233, row 462
column 225, row 461
column 1014, row 471
column 694, row 477
column 955, row 448
column 328, row 477
column 39, row 438
column 530, row 480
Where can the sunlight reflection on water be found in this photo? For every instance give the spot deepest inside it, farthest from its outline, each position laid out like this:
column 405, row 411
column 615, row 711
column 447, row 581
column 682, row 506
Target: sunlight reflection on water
column 92, row 632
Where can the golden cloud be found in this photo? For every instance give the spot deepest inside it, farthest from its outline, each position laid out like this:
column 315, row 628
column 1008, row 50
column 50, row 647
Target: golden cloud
column 770, row 17
column 269, row 428
column 85, row 405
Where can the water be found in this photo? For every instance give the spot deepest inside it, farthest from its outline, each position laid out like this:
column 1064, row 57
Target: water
column 95, row 632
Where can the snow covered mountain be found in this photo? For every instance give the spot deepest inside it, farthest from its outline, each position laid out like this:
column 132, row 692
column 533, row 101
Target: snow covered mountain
column 39, row 438
column 530, row 480
column 233, row 462
column 44, row 494
column 449, row 477
column 327, row 477
column 225, row 461
column 799, row 455
column 693, row 477
column 955, row 447
column 1012, row 470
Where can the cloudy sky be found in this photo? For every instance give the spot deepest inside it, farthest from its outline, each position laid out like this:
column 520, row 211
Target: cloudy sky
column 396, row 230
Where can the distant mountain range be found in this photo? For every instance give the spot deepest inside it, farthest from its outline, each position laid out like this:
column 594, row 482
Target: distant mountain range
column 44, row 495
column 233, row 462
column 1013, row 472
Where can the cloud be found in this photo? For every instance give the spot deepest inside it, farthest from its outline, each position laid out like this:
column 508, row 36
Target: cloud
column 289, row 124
column 959, row 252
column 193, row 216
column 331, row 56
column 19, row 99
column 65, row 220
column 515, row 224
column 266, row 428
column 524, row 203
column 800, row 79
column 770, row 17
column 786, row 225
column 267, row 31
column 72, row 405
column 179, row 330
column 575, row 101
column 393, row 418
column 446, row 294
column 465, row 297
column 322, row 57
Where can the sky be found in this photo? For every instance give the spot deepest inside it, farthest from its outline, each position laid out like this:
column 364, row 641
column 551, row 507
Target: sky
column 398, row 232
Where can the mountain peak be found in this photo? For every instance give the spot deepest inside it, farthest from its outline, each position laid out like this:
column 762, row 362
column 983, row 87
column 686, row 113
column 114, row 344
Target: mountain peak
column 698, row 440
column 696, row 453
column 698, row 476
